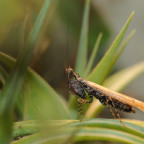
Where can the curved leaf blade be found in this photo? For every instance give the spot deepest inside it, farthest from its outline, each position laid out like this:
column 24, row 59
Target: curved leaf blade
column 99, row 72
column 93, row 55
column 13, row 85
column 83, row 43
column 38, row 88
column 11, row 89
column 121, row 79
column 89, row 130
column 3, row 75
column 124, row 44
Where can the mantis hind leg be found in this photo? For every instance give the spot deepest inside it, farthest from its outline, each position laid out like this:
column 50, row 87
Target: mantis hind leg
column 117, row 114
column 80, row 112
column 80, row 102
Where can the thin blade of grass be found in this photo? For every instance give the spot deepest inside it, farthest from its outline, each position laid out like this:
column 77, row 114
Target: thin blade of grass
column 100, row 71
column 124, row 44
column 11, row 90
column 82, row 50
column 3, row 75
column 93, row 55
column 39, row 90
column 83, row 43
column 121, row 79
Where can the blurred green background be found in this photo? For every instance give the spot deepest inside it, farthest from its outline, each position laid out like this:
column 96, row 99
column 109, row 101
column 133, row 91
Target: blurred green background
column 58, row 43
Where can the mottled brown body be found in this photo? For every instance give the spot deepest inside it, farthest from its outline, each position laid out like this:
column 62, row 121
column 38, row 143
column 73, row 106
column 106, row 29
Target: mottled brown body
column 79, row 87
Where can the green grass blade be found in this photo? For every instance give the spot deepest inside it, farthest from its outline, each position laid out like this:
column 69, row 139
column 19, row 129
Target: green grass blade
column 25, row 128
column 11, row 90
column 89, row 130
column 43, row 102
column 121, row 79
column 49, row 136
column 124, row 44
column 82, row 49
column 32, row 126
column 111, row 124
column 84, row 134
column 111, row 129
column 100, row 71
column 38, row 89
column 136, row 122
column 83, row 43
column 116, row 82
column 3, row 75
column 102, row 134
column 93, row 55
column 39, row 139
column 5, row 128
